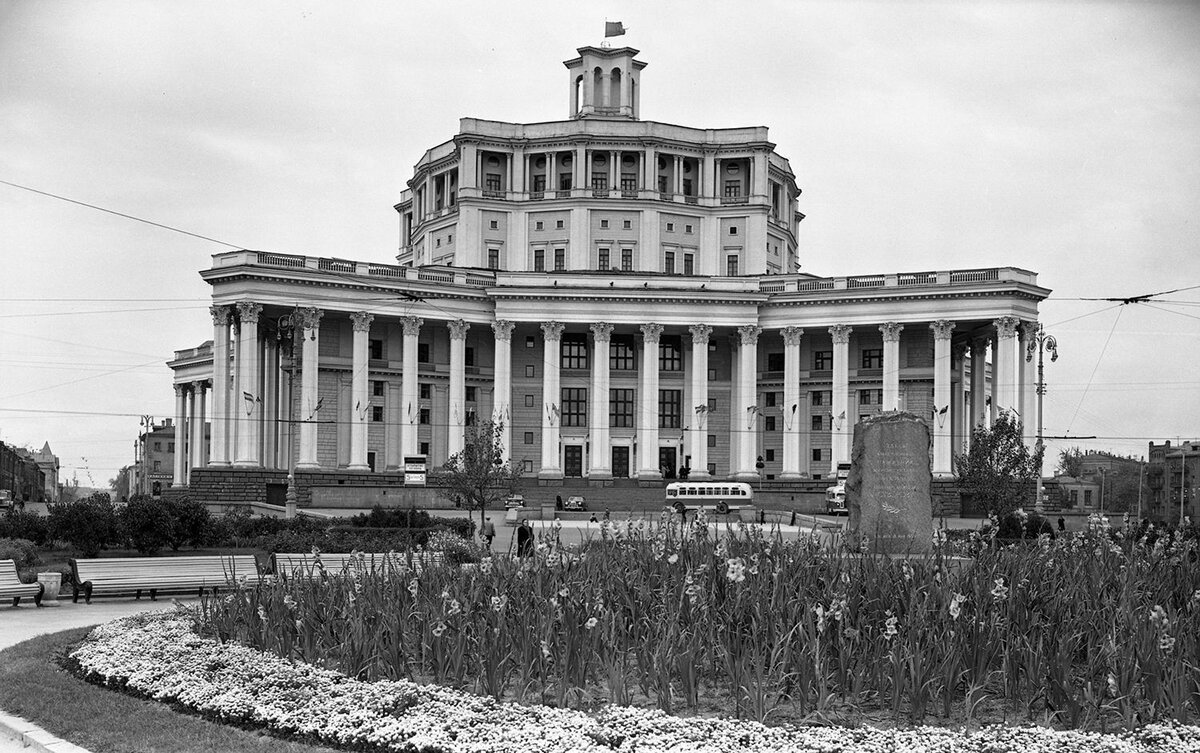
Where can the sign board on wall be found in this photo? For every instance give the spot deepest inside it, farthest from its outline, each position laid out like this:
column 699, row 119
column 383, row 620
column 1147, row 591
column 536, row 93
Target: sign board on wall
column 414, row 470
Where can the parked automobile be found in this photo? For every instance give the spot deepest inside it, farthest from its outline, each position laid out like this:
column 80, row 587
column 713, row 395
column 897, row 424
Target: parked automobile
column 513, row 502
column 575, row 502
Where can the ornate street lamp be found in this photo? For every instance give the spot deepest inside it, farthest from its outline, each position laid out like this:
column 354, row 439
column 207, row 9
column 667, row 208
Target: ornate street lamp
column 1040, row 343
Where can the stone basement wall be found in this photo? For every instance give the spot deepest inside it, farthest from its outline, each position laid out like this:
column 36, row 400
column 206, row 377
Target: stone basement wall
column 222, row 487
column 947, row 501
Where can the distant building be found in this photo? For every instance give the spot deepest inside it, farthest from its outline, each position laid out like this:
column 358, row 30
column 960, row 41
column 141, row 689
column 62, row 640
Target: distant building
column 151, row 472
column 21, row 475
column 1118, row 478
column 1172, row 476
column 48, row 462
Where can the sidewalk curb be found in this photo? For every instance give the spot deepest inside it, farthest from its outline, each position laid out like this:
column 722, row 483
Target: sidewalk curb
column 33, row 737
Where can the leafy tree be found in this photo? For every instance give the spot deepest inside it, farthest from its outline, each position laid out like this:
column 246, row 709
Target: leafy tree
column 191, row 522
column 87, row 524
column 999, row 472
column 1070, row 463
column 147, row 523
column 479, row 476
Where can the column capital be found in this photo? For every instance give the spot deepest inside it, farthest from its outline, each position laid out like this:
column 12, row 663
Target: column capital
column 792, row 335
column 1006, row 327
column 958, row 351
column 503, row 330
column 942, row 329
column 700, row 333
column 602, row 332
column 552, row 331
column 220, row 315
column 199, row 385
column 248, row 311
column 841, row 333
column 362, row 321
column 1029, row 330
column 181, row 389
column 891, row 331
column 412, row 325
column 458, row 329
column 310, row 318
column 748, row 334
column 652, row 332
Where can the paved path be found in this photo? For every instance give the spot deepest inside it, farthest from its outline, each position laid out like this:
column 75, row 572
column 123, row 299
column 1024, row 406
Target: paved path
column 20, row 623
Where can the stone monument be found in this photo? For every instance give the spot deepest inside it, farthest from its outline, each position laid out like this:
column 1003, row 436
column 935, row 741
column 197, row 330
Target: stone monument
column 888, row 489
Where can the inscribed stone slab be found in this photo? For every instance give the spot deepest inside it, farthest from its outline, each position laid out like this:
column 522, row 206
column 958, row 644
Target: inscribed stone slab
column 888, row 489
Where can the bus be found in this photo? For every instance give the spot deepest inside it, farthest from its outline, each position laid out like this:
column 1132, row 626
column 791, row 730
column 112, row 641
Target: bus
column 722, row 496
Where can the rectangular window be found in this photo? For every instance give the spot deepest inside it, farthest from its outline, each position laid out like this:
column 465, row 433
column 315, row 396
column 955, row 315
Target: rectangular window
column 620, row 408
column 492, row 182
column 731, row 265
column 627, row 224
column 627, row 260
column 602, row 261
column 628, row 183
column 574, row 406
column 622, row 355
column 424, row 417
column 733, row 188
column 687, row 228
column 687, row 187
column 158, row 447
column 603, row 224
column 472, row 418
column 574, row 351
column 564, row 182
column 422, row 352
column 529, row 371
column 539, row 225
column 712, row 405
column 527, row 466
column 470, row 394
column 816, row 454
column 769, row 456
column 539, row 260
column 864, row 397
column 817, row 423
column 558, row 224
column 712, row 440
column 670, row 353
column 733, row 229
column 377, row 413
column 529, row 437
column 600, row 182
column 529, row 341
column 669, row 262
column 670, row 227
column 493, row 258
column 670, row 408
column 494, row 224
column 818, row 397
column 689, row 264
column 377, row 388
column 529, row 401
column 376, row 348
column 468, row 356
column 424, row 391
column 560, row 259
column 769, row 399
column 662, row 184
column 423, row 449
column 539, row 183
column 872, row 358
column 768, row 423
column 822, row 360
column 775, row 362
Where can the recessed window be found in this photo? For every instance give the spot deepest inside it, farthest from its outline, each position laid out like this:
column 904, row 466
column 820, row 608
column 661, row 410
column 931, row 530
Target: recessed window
column 816, row 454
column 422, row 352
column 558, row 224
column 574, row 350
column 669, row 262
column 423, row 448
column 712, row 440
column 377, row 388
column 529, row 437
column 538, row 225
column 817, row 423
column 731, row 265
column 689, row 264
column 733, row 188
column 469, row 394
column 687, row 228
column 529, row 371
column 622, row 355
column 494, row 224
column 493, row 261
column 492, row 182
column 627, row 259
column 769, row 456
column 560, row 259
column 529, row 341
column 769, row 423
column 438, row 244
column 529, row 401
column 602, row 259
column 822, row 360
column 527, row 466
column 872, row 358
column 449, row 239
column 670, row 227
column 424, row 418
column 620, row 408
column 539, row 260
column 377, row 413
column 670, row 353
column 712, row 405
column 628, row 224
column 468, row 356
column 424, row 391
column 775, row 362
column 670, row 408
column 733, row 229
column 818, row 397
column 604, row 224
column 574, row 406
column 376, row 348
column 769, row 399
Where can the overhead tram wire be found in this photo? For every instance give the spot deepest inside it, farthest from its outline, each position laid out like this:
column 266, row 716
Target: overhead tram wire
column 1095, row 368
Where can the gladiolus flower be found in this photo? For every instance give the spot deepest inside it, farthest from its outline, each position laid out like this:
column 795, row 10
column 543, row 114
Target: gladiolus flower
column 591, row 623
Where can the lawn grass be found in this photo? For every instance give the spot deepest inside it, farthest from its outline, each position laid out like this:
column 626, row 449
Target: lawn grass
column 34, row 687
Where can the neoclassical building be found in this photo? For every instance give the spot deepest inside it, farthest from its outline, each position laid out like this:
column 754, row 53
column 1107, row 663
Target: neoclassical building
column 623, row 295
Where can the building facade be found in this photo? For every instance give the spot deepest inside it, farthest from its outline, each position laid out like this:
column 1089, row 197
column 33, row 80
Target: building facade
column 1173, row 475
column 21, row 476
column 624, row 296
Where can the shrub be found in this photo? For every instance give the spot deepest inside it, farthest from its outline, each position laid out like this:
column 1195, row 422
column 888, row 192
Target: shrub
column 393, row 518
column 21, row 551
column 241, row 528
column 457, row 550
column 147, row 523
column 87, row 524
column 191, row 523
column 20, row 524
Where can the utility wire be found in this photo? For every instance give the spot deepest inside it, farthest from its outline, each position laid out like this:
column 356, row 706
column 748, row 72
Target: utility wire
column 1099, row 359
column 119, row 214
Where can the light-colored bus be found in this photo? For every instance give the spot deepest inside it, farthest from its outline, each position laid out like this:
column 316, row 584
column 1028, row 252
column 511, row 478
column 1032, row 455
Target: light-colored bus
column 721, row 496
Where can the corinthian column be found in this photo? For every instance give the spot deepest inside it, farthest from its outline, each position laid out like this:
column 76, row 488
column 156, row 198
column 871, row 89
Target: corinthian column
column 792, row 414
column 601, row 467
column 1004, row 368
column 249, row 402
column 747, row 424
column 551, row 399
column 891, row 365
column 310, row 328
column 219, row 454
column 196, row 446
column 502, row 385
column 943, row 414
column 698, row 436
column 361, row 321
column 410, row 413
column 842, row 423
column 458, row 386
column 979, row 414
column 648, row 467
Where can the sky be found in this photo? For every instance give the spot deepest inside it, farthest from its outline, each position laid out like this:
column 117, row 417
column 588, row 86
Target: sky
column 1059, row 137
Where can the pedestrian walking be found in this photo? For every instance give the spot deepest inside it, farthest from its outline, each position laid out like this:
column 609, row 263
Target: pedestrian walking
column 487, row 532
column 524, row 539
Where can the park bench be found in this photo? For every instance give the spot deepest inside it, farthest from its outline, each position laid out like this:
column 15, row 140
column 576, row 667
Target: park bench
column 134, row 575
column 11, row 586
column 304, row 564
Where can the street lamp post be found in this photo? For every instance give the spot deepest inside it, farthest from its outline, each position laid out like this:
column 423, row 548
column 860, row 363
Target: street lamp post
column 1041, row 343
column 286, row 334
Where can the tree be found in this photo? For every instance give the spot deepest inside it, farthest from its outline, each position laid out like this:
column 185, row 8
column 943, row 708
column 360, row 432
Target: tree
column 479, row 477
column 1070, row 463
column 87, row 524
column 999, row 472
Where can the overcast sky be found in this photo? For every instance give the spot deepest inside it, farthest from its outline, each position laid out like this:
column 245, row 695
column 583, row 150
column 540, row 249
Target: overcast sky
column 1063, row 138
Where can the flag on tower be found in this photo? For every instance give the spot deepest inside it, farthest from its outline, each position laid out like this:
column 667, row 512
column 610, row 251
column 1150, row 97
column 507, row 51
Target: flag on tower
column 613, row 29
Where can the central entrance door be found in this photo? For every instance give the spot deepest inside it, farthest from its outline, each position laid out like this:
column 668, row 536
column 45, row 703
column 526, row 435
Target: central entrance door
column 573, row 460
column 620, row 462
column 666, row 461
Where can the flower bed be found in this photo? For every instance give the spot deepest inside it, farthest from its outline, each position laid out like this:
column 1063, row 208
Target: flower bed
column 160, row 656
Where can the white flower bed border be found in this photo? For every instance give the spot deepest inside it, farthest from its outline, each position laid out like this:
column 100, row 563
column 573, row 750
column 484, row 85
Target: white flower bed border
column 160, row 656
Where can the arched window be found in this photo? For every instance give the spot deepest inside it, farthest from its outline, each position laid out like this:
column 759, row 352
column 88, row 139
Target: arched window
column 614, row 88
column 597, row 88
column 577, row 100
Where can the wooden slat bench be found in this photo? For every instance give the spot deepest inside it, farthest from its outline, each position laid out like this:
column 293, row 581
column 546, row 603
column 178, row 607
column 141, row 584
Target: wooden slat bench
column 288, row 564
column 11, row 586
column 153, row 575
